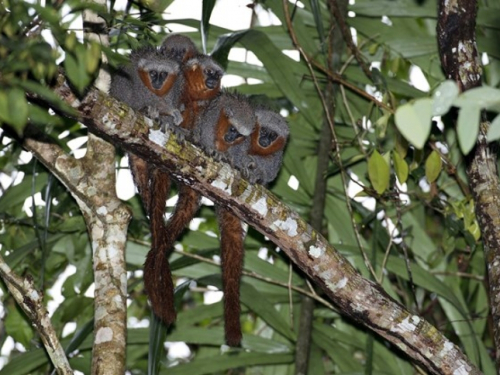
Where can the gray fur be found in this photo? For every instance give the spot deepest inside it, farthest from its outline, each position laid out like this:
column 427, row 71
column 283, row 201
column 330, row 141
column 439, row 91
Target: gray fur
column 264, row 169
column 127, row 86
column 180, row 47
column 241, row 116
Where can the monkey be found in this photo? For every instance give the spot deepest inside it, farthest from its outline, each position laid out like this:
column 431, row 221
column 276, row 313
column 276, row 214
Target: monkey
column 226, row 123
column 180, row 47
column 267, row 142
column 201, row 80
column 224, row 126
column 152, row 83
column 202, row 77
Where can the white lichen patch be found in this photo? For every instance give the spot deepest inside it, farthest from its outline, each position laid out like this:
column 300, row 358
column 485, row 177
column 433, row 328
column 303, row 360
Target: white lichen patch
column 260, row 206
column 447, row 347
column 316, row 251
column 34, row 295
column 221, row 185
column 463, row 369
column 104, row 334
column 404, row 326
column 341, row 284
column 102, row 210
column 149, row 122
column 225, row 174
column 289, row 226
column 158, row 137
column 327, row 275
column 107, row 122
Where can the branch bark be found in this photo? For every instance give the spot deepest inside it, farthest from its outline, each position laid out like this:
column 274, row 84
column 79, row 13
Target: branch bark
column 460, row 61
column 358, row 298
column 31, row 302
column 107, row 221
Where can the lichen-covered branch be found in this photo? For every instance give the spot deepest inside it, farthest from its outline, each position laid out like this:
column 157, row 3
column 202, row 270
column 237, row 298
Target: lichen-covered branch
column 460, row 61
column 107, row 226
column 358, row 298
column 31, row 301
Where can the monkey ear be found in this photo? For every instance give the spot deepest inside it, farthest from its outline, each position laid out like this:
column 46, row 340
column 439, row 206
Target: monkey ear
column 229, row 112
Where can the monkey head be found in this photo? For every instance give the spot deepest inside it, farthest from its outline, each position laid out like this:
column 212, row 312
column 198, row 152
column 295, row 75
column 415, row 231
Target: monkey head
column 157, row 70
column 180, row 47
column 224, row 126
column 266, row 146
column 203, row 76
column 270, row 134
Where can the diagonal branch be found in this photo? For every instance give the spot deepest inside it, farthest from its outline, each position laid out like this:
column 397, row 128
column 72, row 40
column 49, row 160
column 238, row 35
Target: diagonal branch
column 358, row 298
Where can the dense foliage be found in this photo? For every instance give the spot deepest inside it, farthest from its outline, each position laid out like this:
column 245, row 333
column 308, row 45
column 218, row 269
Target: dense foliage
column 398, row 204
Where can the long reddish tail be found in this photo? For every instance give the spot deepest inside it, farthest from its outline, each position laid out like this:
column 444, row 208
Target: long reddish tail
column 160, row 288
column 231, row 247
column 140, row 173
column 157, row 274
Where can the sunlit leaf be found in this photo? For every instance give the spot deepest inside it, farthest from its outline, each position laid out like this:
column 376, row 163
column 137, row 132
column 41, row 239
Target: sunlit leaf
column 468, row 126
column 443, row 97
column 414, row 121
column 379, row 172
column 400, row 167
column 433, row 166
column 494, row 130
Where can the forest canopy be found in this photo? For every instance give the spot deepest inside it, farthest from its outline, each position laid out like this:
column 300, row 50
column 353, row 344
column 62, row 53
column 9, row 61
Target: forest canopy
column 377, row 246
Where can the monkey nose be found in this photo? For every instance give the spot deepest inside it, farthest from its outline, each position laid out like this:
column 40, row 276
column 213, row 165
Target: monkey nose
column 211, row 83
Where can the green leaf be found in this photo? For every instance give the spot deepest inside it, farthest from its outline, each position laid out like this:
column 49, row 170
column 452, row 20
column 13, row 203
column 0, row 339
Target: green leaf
column 280, row 68
column 222, row 363
column 443, row 97
column 378, row 171
column 17, row 326
column 17, row 109
column 206, row 12
column 433, row 166
column 468, row 126
column 483, row 97
column 93, row 57
column 157, row 6
column 76, row 68
column 414, row 121
column 494, row 130
column 400, row 167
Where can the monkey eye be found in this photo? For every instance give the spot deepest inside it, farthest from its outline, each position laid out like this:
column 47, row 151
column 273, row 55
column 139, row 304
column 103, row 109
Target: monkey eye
column 232, row 135
column 153, row 74
column 267, row 137
column 163, row 76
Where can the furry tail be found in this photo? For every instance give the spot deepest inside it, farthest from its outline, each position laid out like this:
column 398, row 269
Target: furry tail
column 231, row 246
column 157, row 274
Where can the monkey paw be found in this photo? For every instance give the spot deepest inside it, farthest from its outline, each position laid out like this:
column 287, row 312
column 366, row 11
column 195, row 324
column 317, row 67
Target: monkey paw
column 176, row 114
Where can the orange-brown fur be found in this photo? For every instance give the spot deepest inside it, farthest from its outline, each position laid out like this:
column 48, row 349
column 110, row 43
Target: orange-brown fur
column 231, row 247
column 220, row 129
column 157, row 275
column 165, row 88
column 257, row 149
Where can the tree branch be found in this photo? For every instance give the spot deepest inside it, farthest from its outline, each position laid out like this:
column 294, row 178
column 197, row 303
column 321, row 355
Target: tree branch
column 358, row 298
column 460, row 60
column 31, row 302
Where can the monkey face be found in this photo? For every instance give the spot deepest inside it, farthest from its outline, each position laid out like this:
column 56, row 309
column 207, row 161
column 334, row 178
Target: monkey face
column 270, row 134
column 157, row 72
column 267, row 137
column 232, row 135
column 212, row 78
column 157, row 78
column 203, row 77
